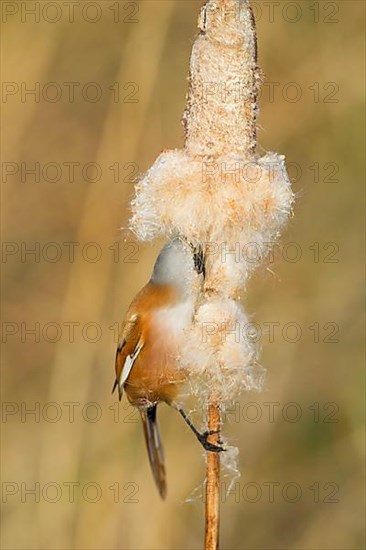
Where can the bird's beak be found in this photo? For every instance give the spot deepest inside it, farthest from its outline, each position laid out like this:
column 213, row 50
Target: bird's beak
column 199, row 260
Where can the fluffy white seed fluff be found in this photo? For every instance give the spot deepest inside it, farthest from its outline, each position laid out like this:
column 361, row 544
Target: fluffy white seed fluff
column 220, row 353
column 219, row 194
column 229, row 202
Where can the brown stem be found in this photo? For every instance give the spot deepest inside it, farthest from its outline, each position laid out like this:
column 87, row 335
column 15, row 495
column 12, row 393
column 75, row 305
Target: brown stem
column 213, row 481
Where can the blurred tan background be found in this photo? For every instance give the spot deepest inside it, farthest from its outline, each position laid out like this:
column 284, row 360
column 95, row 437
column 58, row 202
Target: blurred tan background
column 301, row 484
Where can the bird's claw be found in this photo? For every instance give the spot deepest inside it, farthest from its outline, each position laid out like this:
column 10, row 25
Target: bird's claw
column 207, row 445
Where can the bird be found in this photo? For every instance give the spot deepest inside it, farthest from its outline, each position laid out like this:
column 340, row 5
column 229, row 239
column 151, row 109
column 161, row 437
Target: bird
column 147, row 357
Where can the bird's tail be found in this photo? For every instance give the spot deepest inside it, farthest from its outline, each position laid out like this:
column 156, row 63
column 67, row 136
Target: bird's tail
column 154, row 448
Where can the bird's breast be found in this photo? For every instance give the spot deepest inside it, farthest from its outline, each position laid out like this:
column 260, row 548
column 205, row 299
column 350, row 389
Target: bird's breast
column 156, row 374
column 174, row 320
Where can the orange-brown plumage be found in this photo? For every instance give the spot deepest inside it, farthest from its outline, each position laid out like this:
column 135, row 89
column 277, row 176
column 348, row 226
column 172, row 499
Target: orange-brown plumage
column 147, row 366
column 155, row 375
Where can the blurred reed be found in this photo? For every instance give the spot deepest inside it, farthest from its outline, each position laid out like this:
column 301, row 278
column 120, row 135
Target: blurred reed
column 154, row 53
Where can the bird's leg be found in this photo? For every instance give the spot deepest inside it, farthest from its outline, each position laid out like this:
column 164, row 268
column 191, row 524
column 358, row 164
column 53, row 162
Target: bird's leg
column 202, row 438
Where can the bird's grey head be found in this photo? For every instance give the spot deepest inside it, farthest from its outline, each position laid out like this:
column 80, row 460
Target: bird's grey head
column 178, row 264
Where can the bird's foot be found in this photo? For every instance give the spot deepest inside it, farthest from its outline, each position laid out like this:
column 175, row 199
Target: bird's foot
column 202, row 438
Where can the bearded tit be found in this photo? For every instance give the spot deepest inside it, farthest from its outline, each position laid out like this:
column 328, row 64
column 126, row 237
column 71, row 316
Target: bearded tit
column 154, row 330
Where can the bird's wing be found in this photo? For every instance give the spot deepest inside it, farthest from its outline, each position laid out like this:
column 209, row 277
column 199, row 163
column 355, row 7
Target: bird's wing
column 129, row 347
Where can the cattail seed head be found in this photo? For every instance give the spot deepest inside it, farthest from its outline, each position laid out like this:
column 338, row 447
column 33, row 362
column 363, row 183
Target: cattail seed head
column 217, row 192
column 224, row 82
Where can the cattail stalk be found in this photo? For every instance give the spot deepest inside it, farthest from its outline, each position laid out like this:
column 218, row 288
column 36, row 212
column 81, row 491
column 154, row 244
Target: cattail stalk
column 218, row 194
column 219, row 46
column 212, row 499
